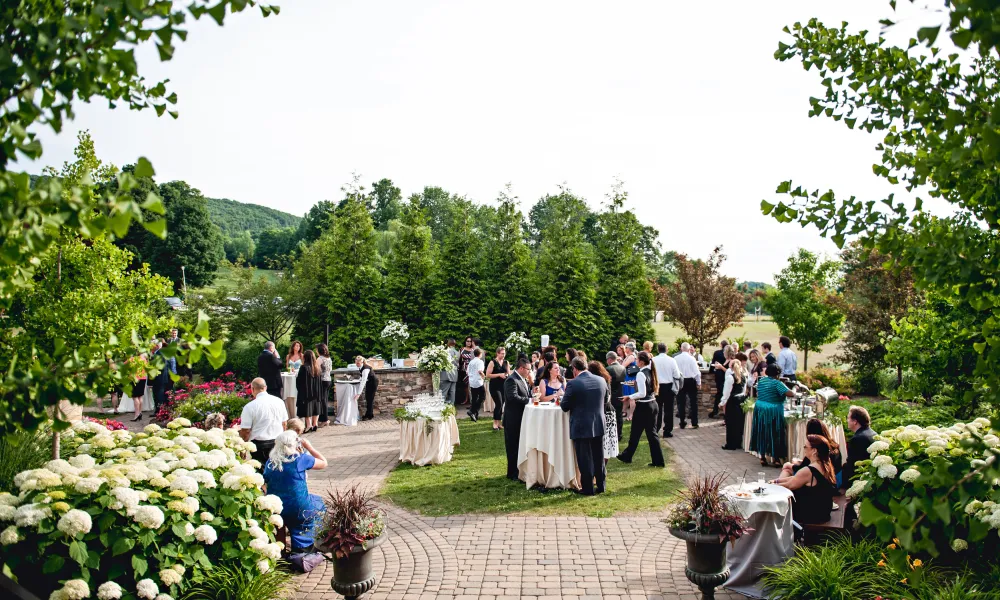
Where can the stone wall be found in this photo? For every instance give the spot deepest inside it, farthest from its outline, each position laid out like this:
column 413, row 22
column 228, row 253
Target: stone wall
column 396, row 387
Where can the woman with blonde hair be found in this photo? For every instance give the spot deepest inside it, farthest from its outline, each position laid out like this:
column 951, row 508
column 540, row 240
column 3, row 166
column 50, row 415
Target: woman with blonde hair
column 215, row 421
column 733, row 395
column 285, row 476
column 755, row 370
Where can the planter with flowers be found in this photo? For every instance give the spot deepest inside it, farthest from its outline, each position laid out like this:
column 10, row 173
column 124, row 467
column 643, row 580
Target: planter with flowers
column 433, row 360
column 397, row 333
column 704, row 518
column 351, row 526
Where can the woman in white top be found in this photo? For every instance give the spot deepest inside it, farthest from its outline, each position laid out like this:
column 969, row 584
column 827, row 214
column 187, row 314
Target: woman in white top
column 733, row 395
column 326, row 382
column 644, row 413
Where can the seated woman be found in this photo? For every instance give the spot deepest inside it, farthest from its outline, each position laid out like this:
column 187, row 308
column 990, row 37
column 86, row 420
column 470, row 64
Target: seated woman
column 285, row 475
column 551, row 385
column 816, row 427
column 813, row 486
column 768, row 434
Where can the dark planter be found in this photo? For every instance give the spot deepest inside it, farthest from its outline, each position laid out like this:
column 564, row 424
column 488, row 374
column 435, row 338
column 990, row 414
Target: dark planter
column 706, row 561
column 353, row 575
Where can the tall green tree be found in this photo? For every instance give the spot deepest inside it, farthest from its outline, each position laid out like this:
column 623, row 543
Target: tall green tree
column 275, row 248
column 509, row 268
column 624, row 292
column 547, row 211
column 240, row 247
column 194, row 243
column 261, row 307
column 805, row 304
column 565, row 282
column 437, row 204
column 316, row 221
column 457, row 286
column 409, row 268
column 386, row 203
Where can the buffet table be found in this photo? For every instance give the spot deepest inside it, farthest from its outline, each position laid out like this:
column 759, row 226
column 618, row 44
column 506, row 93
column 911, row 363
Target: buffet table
column 545, row 454
column 428, row 431
column 795, row 428
column 770, row 543
column 346, row 391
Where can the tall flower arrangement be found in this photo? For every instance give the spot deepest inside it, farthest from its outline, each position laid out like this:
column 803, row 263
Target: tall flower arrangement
column 434, row 360
column 397, row 333
column 517, row 342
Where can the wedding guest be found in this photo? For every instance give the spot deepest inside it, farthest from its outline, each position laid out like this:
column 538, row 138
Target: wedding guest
column 269, row 368
column 449, row 376
column 293, row 360
column 787, row 359
column 584, row 401
column 733, row 395
column 296, row 425
column 647, row 347
column 536, row 360
column 285, row 475
column 547, row 358
column 308, row 385
column 610, row 424
column 551, row 384
column 115, row 391
column 769, row 357
column 262, row 419
column 644, row 418
column 670, row 380
column 687, row 403
column 326, row 382
column 747, row 347
column 768, row 437
column 465, row 356
column 813, row 486
column 516, row 395
column 628, row 386
column 496, row 372
column 215, row 421
column 570, row 355
column 139, row 387
column 859, row 423
column 816, row 427
column 617, row 373
column 755, row 371
column 368, row 386
column 621, row 341
column 718, row 370
column 477, row 383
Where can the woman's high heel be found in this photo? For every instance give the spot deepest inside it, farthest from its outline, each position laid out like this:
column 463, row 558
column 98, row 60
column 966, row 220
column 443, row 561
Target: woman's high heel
column 138, row 418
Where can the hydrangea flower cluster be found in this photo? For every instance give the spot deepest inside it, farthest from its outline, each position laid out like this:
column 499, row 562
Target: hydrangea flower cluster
column 158, row 479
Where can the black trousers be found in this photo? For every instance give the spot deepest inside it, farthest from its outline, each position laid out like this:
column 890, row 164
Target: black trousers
column 159, row 395
column 370, row 390
column 720, row 383
column 496, row 392
column 619, row 405
column 478, row 397
column 462, row 388
column 511, row 439
column 264, row 448
column 590, row 461
column 324, row 401
column 688, row 401
column 644, row 421
column 734, row 423
column 665, row 402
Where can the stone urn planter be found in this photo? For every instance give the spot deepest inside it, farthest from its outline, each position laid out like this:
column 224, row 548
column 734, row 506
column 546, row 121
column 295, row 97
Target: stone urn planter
column 706, row 560
column 353, row 575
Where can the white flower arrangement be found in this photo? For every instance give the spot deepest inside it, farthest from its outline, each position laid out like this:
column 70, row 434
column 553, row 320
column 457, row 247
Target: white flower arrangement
column 517, row 342
column 109, row 590
column 395, row 331
column 434, row 359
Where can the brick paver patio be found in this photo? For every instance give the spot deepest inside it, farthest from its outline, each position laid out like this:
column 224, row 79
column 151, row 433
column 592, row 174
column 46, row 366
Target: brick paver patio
column 486, row 557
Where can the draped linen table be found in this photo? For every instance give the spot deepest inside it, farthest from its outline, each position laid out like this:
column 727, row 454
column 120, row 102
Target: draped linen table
column 770, row 543
column 795, row 431
column 347, row 407
column 290, row 392
column 125, row 405
column 545, row 454
column 420, row 448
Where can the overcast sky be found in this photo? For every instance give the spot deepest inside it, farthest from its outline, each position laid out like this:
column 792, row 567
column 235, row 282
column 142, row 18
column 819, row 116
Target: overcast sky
column 683, row 101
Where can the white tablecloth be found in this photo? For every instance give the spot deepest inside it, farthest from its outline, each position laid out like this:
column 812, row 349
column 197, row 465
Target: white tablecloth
column 770, row 543
column 125, row 405
column 419, row 448
column 347, row 407
column 796, row 435
column 545, row 453
column 290, row 392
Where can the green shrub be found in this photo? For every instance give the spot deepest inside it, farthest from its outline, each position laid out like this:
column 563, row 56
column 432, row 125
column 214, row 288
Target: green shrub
column 675, row 347
column 820, row 573
column 196, row 408
column 22, row 451
column 889, row 414
column 235, row 583
column 823, row 376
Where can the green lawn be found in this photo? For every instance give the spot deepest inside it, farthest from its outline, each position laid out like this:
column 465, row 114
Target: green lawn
column 475, row 482
column 226, row 277
column 763, row 331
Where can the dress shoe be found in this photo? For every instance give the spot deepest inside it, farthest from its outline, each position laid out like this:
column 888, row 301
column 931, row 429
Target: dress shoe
column 694, row 427
column 713, row 415
column 627, row 461
column 655, row 465
column 599, row 491
column 683, row 424
column 582, row 493
column 667, row 434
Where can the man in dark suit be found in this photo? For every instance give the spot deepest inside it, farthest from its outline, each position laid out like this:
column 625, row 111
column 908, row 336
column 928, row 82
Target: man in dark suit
column 720, row 376
column 516, row 395
column 769, row 357
column 859, row 422
column 269, row 369
column 584, row 401
column 617, row 372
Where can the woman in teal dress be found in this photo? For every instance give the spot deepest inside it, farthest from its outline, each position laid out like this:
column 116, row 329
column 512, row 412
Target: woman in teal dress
column 768, row 435
column 285, row 475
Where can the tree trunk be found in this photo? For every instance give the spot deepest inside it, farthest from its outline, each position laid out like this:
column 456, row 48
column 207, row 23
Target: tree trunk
column 805, row 362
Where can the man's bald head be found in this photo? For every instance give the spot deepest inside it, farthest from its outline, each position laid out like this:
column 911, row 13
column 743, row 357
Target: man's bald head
column 258, row 385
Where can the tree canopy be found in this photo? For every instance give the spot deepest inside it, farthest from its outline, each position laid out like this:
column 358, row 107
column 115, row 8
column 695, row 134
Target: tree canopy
column 702, row 301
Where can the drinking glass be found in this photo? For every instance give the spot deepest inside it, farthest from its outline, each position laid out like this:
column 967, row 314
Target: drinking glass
column 742, row 482
column 760, row 479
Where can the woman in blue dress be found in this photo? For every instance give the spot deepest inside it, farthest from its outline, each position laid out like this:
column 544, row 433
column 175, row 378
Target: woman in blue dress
column 768, row 436
column 285, row 475
column 629, row 386
column 551, row 384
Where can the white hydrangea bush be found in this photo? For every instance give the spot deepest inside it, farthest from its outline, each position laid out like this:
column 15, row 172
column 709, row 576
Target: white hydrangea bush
column 137, row 515
column 932, row 489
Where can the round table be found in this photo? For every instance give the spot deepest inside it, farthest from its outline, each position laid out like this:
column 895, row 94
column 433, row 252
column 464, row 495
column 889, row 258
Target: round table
column 545, row 454
column 770, row 543
column 125, row 405
column 290, row 392
column 420, row 448
column 347, row 407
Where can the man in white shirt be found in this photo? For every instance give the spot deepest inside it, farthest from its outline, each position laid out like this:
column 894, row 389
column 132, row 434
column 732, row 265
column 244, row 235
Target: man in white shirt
column 477, row 383
column 691, row 374
column 667, row 373
column 787, row 361
column 263, row 418
column 449, row 377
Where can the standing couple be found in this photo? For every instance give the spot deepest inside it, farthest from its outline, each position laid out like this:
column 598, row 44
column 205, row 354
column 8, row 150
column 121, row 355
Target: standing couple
column 584, row 400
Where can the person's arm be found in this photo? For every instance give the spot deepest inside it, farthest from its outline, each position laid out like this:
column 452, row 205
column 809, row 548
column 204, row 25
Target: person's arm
column 246, row 423
column 727, row 388
column 569, row 398
column 697, row 376
column 512, row 393
column 489, row 371
column 640, row 386
column 800, row 479
column 320, row 459
column 363, row 383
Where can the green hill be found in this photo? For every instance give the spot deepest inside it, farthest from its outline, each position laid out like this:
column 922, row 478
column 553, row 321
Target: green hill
column 234, row 217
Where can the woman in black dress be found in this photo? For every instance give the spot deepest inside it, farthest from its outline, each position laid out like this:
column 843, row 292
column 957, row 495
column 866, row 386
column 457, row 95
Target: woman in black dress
column 369, row 385
column 496, row 374
column 733, row 395
column 817, row 427
column 308, row 385
column 462, row 393
column 813, row 486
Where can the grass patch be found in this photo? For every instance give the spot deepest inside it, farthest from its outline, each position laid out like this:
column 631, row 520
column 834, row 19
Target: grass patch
column 475, row 482
column 226, row 276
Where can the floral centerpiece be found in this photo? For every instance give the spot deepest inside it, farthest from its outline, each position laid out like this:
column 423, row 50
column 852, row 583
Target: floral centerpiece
column 397, row 333
column 350, row 527
column 932, row 490
column 517, row 342
column 434, row 359
column 137, row 515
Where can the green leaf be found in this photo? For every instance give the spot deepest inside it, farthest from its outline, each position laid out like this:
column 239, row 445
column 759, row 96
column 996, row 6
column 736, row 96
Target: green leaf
column 144, row 168
column 140, row 566
column 53, row 564
column 78, row 551
column 122, row 545
column 157, row 227
column 766, row 207
column 928, row 34
column 178, row 529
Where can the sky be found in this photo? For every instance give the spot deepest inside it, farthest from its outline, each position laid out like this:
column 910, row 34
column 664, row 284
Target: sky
column 683, row 102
